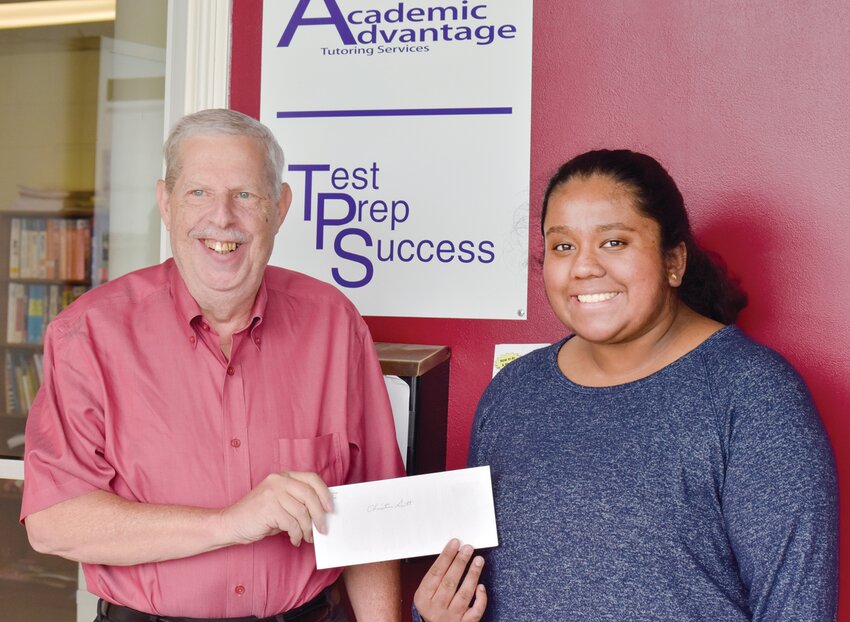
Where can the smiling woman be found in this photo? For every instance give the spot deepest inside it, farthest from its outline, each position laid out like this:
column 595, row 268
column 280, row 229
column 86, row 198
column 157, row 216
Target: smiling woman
column 622, row 269
column 657, row 463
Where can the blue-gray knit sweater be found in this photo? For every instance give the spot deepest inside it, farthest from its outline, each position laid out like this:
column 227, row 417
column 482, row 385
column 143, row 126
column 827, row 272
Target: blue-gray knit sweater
column 706, row 491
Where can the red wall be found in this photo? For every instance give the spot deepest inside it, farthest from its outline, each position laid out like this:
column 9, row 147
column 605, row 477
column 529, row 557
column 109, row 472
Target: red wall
column 747, row 104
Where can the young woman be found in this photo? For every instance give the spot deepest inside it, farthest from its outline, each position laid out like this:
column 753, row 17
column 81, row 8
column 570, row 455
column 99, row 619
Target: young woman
column 657, row 464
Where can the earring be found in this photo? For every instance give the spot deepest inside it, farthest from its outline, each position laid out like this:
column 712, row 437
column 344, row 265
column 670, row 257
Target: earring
column 673, row 276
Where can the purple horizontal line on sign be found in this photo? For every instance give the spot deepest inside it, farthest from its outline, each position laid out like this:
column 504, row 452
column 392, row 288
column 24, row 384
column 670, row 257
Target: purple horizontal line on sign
column 399, row 112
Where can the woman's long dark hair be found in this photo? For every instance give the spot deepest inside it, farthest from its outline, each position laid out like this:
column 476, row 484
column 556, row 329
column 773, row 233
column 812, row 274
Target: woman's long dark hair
column 707, row 287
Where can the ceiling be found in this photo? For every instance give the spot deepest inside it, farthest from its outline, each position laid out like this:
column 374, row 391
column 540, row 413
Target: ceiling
column 69, row 36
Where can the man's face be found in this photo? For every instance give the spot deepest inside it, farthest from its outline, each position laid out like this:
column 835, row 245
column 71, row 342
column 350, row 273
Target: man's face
column 222, row 218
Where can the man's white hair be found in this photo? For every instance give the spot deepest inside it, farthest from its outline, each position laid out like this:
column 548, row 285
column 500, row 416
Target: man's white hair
column 221, row 121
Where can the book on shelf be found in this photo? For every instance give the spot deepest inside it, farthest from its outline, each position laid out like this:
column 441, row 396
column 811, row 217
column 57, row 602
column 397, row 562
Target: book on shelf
column 50, row 248
column 36, row 309
column 15, row 314
column 15, row 248
column 31, row 199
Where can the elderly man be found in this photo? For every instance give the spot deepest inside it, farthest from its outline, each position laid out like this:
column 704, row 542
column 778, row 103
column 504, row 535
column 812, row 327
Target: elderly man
column 194, row 413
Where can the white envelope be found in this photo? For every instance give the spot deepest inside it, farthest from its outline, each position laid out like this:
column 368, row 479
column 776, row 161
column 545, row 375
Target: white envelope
column 407, row 517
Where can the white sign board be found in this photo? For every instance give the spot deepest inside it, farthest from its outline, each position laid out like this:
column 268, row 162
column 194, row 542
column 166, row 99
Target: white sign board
column 406, row 127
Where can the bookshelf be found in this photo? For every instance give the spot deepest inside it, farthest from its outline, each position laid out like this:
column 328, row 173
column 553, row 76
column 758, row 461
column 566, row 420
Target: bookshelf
column 44, row 266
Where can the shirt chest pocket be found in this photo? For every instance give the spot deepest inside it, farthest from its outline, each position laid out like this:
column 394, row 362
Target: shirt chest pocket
column 321, row 455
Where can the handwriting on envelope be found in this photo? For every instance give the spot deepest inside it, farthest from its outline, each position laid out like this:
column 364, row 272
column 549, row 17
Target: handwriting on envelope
column 407, row 517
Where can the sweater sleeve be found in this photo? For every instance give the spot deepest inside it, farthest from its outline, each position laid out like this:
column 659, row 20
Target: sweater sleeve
column 483, row 433
column 780, row 495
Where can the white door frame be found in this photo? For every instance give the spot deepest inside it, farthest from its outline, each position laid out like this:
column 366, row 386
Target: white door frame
column 197, row 65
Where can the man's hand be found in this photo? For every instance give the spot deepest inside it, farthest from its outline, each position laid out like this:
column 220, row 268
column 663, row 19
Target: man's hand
column 130, row 532
column 442, row 597
column 289, row 501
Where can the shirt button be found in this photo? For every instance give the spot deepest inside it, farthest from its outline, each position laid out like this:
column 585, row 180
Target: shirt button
column 235, row 442
column 257, row 340
column 239, row 589
column 192, row 339
column 230, row 371
column 205, row 326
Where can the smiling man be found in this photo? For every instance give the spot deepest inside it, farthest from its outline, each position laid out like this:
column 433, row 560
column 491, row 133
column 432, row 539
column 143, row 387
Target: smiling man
column 194, row 413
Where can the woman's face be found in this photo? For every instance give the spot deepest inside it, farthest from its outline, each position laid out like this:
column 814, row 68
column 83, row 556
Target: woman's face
column 605, row 274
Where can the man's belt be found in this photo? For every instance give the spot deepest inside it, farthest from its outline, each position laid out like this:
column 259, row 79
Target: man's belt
column 315, row 610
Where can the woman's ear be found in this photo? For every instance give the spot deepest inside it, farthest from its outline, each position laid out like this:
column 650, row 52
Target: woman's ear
column 676, row 261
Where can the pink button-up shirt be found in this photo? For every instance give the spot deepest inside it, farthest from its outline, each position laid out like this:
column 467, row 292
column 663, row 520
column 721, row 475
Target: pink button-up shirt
column 139, row 400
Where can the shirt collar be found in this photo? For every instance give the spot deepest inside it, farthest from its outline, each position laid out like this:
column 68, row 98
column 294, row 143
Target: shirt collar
column 188, row 309
column 260, row 302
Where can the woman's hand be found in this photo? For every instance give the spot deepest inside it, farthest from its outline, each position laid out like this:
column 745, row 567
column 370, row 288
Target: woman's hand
column 442, row 597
